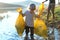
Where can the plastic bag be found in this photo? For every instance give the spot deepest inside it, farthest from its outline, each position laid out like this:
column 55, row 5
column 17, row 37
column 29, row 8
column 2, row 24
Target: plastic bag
column 40, row 27
column 40, row 9
column 20, row 24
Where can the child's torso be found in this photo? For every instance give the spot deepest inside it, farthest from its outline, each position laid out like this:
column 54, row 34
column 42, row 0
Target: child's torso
column 29, row 19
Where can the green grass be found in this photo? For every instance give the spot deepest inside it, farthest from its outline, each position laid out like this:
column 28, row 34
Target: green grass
column 57, row 10
column 57, row 15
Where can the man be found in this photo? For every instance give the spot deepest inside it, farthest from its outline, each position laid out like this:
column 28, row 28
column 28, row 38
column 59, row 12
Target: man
column 51, row 7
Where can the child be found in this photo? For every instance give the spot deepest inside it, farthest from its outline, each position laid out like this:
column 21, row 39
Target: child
column 51, row 7
column 30, row 14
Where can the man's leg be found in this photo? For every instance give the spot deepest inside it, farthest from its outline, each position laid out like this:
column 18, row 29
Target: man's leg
column 53, row 8
column 49, row 8
column 53, row 21
column 48, row 14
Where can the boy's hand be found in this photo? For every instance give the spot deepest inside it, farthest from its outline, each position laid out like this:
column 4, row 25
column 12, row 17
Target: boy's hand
column 20, row 12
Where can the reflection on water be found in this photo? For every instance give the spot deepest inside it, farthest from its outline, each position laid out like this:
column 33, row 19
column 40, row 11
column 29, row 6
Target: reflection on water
column 7, row 28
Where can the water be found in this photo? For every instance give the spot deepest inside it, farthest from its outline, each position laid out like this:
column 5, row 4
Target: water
column 8, row 30
column 56, row 33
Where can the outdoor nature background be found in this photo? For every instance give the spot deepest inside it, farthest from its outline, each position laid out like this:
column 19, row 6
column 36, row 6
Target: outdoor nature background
column 8, row 15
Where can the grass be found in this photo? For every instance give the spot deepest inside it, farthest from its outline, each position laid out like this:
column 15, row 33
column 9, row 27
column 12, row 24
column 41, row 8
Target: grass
column 57, row 15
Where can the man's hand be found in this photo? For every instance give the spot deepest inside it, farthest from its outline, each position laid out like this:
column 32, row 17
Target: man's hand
column 42, row 2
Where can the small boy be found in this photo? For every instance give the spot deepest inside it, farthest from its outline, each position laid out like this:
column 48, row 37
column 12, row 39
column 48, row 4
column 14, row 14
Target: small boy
column 30, row 14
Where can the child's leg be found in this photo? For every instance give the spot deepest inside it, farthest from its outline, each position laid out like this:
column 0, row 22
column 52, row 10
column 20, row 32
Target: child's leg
column 32, row 32
column 27, row 30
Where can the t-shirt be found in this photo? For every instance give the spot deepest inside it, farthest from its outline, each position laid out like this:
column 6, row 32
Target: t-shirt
column 29, row 18
column 51, row 1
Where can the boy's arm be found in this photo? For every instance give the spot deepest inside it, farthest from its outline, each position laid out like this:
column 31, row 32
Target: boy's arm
column 22, row 14
column 36, row 15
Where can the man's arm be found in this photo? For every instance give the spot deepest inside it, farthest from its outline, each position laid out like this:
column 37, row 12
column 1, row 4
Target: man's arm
column 44, row 1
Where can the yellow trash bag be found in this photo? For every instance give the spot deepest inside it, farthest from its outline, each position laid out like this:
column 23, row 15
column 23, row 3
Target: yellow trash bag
column 20, row 24
column 40, row 27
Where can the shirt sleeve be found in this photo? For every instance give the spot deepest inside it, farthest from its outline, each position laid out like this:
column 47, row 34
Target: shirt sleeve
column 25, row 13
